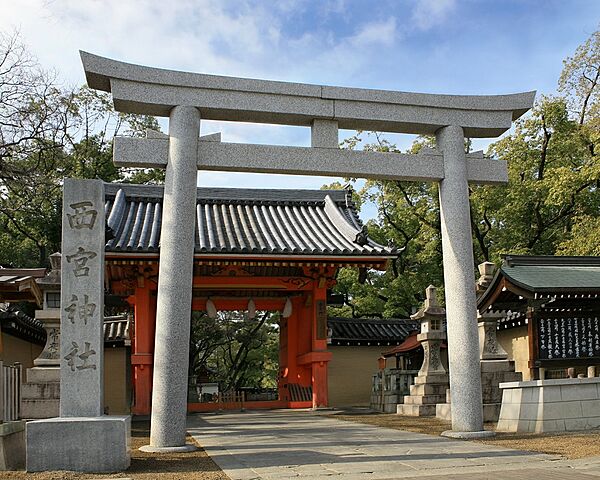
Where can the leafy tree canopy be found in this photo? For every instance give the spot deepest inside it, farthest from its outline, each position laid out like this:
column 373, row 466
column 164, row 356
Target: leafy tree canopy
column 551, row 204
column 48, row 133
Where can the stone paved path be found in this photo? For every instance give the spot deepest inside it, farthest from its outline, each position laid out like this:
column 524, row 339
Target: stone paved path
column 286, row 444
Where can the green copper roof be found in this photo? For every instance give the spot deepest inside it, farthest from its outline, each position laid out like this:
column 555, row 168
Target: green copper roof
column 548, row 273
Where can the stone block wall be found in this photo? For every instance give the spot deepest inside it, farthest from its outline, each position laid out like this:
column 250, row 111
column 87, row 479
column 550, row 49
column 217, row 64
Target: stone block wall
column 550, row 405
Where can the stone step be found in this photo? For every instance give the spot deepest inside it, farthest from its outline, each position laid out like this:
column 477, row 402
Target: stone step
column 416, row 410
column 443, row 411
column 428, row 389
column 434, row 378
column 36, row 391
column 497, row 366
column 43, row 374
column 41, row 408
column 424, row 399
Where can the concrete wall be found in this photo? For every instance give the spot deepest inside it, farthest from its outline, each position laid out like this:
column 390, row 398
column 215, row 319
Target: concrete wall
column 117, row 381
column 16, row 350
column 516, row 344
column 350, row 374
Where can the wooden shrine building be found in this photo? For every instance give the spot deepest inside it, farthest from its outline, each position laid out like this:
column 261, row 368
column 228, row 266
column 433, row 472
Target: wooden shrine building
column 279, row 249
column 552, row 312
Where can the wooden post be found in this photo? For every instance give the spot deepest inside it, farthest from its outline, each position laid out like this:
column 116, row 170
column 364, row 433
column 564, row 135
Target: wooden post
column 533, row 342
column 319, row 344
column 143, row 350
column 2, row 392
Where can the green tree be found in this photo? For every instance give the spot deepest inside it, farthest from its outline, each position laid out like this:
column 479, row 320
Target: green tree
column 46, row 134
column 241, row 351
column 408, row 218
column 551, row 204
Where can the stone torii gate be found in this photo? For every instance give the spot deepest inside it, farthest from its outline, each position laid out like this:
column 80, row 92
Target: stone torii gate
column 186, row 97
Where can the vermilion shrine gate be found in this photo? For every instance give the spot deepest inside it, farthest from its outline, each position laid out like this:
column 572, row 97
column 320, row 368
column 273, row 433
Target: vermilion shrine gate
column 268, row 246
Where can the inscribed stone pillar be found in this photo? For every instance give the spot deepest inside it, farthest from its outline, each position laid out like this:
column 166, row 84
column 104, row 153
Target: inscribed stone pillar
column 82, row 299
column 489, row 348
column 174, row 300
column 457, row 248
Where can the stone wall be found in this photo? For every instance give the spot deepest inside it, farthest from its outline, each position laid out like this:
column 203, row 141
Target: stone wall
column 550, row 405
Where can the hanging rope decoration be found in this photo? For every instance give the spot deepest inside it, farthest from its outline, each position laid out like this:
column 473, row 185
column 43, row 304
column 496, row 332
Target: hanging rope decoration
column 211, row 310
column 287, row 309
column 251, row 309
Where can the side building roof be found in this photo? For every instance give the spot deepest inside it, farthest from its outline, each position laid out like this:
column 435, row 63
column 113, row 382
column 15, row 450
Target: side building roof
column 245, row 221
column 21, row 325
column 370, row 331
column 551, row 283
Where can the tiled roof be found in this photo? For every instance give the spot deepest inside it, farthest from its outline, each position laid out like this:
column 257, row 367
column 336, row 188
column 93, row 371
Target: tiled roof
column 553, row 273
column 353, row 331
column 17, row 323
column 22, row 326
column 19, row 285
column 253, row 221
column 116, row 330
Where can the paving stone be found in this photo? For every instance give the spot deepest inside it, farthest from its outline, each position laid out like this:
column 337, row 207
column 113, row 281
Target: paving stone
column 289, row 444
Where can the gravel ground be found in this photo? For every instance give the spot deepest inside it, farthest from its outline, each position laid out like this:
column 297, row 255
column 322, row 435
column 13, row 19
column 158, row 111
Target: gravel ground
column 568, row 445
column 144, row 466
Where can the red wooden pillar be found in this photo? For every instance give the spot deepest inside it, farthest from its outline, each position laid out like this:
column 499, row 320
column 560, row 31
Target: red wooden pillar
column 143, row 349
column 289, row 350
column 312, row 342
column 320, row 356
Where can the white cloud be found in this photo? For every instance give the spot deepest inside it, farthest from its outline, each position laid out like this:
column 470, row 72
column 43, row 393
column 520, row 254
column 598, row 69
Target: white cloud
column 383, row 33
column 429, row 13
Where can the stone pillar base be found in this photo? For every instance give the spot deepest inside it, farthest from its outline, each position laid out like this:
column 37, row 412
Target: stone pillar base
column 81, row 444
column 188, row 447
column 40, row 396
column 491, row 411
column 12, row 445
column 468, row 435
column 425, row 394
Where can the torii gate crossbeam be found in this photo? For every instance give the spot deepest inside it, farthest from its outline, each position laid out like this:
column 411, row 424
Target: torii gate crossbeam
column 185, row 97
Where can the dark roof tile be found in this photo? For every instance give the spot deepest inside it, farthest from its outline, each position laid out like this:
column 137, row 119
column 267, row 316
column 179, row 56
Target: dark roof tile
column 302, row 222
column 388, row 331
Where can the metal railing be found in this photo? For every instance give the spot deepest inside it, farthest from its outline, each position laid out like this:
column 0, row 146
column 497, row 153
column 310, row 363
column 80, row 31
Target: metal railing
column 10, row 391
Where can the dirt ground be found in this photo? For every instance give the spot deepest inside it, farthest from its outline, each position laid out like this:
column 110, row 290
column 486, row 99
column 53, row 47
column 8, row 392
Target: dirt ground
column 144, row 466
column 568, row 445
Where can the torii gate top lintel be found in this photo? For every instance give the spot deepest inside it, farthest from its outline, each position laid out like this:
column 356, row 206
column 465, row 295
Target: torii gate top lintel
column 155, row 91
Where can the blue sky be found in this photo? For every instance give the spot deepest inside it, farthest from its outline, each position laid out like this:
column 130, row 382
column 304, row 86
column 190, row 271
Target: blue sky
column 437, row 46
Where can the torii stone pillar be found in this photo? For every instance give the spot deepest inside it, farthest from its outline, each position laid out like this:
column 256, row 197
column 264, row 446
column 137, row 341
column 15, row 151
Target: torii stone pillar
column 174, row 300
column 152, row 91
column 461, row 305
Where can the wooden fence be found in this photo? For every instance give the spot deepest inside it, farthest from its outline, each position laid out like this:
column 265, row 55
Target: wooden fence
column 10, row 392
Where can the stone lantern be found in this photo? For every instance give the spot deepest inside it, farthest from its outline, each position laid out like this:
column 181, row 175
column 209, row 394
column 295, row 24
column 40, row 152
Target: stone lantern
column 432, row 318
column 431, row 382
column 41, row 393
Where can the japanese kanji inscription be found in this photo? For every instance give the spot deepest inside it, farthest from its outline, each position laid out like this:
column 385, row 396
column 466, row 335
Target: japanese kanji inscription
column 82, row 301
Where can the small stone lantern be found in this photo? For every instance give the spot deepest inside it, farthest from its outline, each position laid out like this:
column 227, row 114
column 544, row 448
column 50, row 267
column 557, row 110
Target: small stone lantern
column 49, row 316
column 432, row 334
column 431, row 382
